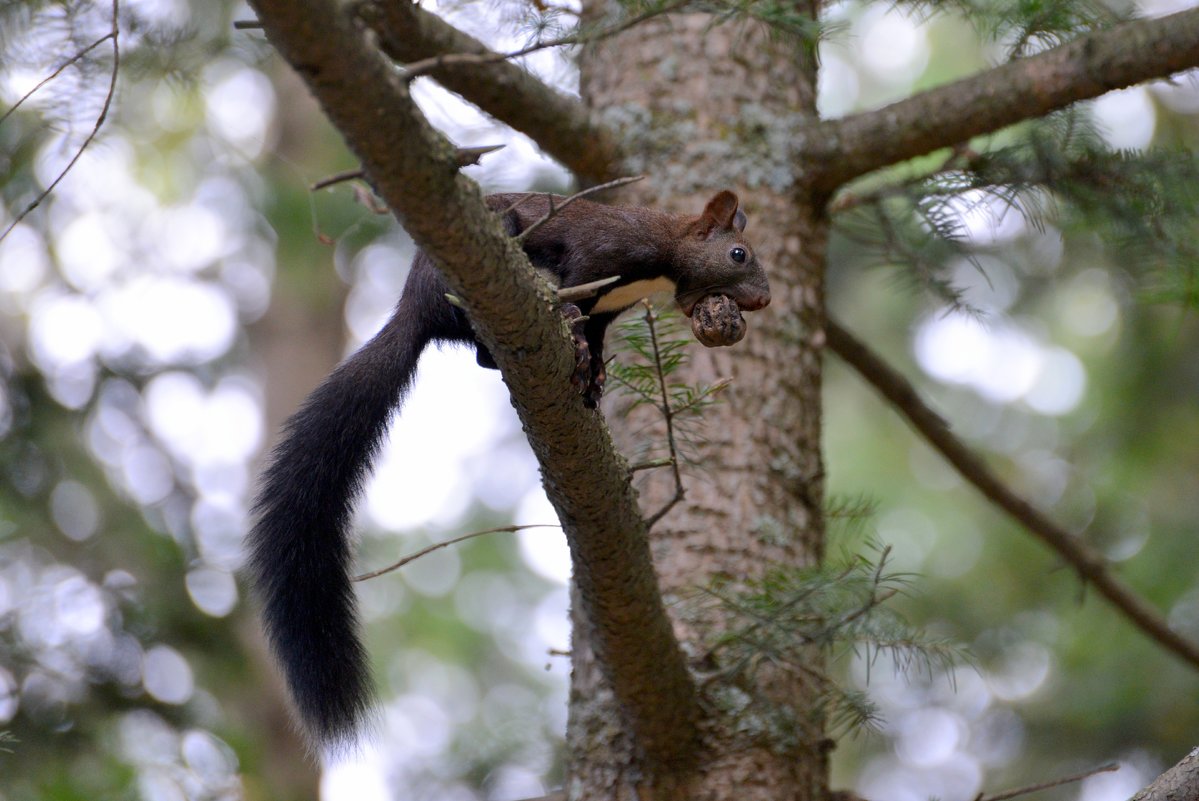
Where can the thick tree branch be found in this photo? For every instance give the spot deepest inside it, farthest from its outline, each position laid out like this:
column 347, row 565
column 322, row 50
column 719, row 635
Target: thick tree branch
column 836, row 151
column 1090, row 566
column 558, row 123
column 1179, row 783
column 514, row 314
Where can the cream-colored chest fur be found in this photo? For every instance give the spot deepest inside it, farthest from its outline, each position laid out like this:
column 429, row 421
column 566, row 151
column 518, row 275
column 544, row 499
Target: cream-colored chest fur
column 625, row 296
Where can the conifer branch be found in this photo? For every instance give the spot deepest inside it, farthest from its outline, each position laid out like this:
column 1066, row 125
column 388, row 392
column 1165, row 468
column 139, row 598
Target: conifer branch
column 836, row 151
column 668, row 415
column 1091, row 567
column 113, row 35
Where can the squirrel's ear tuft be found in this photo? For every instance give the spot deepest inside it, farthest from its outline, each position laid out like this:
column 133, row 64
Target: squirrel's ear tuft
column 721, row 213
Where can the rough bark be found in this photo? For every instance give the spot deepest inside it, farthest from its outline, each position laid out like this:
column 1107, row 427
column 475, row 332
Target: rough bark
column 700, row 109
column 1179, row 783
column 514, row 315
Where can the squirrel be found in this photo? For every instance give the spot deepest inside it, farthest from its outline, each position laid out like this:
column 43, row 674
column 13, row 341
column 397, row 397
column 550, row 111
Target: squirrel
column 299, row 548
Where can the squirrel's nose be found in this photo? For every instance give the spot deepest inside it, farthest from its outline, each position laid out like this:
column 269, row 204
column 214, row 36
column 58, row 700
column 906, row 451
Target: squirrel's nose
column 752, row 301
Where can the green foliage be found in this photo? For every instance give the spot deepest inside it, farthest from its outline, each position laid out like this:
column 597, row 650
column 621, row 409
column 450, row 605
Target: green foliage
column 652, row 347
column 783, row 17
column 1026, row 26
column 1055, row 170
column 838, row 608
column 1144, row 205
column 917, row 234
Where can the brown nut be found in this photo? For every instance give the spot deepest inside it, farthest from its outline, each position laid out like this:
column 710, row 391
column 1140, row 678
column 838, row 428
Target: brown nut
column 716, row 321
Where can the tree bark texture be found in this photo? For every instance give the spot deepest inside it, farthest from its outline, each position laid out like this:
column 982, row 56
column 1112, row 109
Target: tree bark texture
column 702, row 108
column 1179, row 783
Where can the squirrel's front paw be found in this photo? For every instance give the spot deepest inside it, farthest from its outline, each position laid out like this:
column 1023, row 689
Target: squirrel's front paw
column 586, row 380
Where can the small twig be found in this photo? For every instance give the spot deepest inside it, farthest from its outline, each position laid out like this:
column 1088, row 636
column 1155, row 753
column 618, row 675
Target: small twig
column 73, row 59
column 247, row 25
column 569, row 294
column 468, row 156
column 445, row 543
column 873, row 602
column 366, row 196
column 114, row 35
column 1090, row 565
column 427, row 65
column 337, row 178
column 1033, row 788
column 651, row 464
column 516, row 204
column 557, row 209
column 667, row 415
column 465, row 156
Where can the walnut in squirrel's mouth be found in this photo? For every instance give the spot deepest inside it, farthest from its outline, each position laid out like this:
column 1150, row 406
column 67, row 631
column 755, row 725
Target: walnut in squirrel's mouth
column 716, row 321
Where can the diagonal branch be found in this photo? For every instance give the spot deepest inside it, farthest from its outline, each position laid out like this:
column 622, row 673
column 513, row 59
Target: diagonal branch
column 113, row 34
column 558, row 123
column 61, row 67
column 413, row 168
column 1090, row 565
column 843, row 149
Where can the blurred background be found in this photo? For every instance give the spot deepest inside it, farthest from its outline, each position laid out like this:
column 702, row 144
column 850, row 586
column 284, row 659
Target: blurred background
column 183, row 288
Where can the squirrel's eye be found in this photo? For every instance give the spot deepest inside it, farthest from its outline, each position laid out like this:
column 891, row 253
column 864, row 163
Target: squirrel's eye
column 737, row 255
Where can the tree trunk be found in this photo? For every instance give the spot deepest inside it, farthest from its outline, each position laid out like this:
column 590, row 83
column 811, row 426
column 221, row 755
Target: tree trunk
column 704, row 108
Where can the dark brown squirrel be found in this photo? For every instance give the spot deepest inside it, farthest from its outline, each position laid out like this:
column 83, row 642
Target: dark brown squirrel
column 299, row 547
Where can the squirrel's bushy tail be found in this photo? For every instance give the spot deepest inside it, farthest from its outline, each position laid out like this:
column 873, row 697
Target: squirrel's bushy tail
column 299, row 548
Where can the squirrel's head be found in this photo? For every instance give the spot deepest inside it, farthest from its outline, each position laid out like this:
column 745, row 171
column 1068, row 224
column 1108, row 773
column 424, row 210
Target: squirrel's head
column 716, row 259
